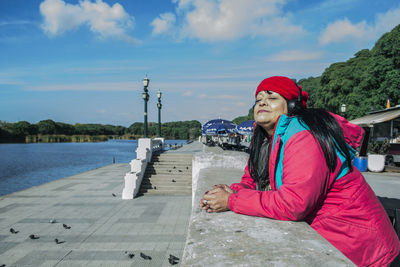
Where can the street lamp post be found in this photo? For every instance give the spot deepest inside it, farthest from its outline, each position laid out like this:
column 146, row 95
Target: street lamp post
column 159, row 112
column 145, row 96
column 343, row 110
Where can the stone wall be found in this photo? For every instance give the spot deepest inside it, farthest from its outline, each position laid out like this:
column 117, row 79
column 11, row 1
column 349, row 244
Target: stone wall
column 230, row 239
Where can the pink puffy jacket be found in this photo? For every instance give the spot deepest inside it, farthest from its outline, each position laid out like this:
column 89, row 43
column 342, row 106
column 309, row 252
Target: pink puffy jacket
column 340, row 206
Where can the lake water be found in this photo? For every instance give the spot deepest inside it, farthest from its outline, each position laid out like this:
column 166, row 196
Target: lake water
column 25, row 165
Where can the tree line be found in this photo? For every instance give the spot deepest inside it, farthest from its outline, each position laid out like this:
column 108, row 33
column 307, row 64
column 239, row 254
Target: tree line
column 181, row 130
column 51, row 131
column 363, row 83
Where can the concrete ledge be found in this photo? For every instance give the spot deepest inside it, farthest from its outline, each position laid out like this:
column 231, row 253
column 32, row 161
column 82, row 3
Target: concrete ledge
column 225, row 239
column 144, row 152
column 216, row 159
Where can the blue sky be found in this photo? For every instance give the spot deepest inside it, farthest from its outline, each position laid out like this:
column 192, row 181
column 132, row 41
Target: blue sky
column 84, row 61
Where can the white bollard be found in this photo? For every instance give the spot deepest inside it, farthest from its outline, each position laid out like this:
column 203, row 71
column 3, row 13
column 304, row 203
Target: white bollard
column 130, row 184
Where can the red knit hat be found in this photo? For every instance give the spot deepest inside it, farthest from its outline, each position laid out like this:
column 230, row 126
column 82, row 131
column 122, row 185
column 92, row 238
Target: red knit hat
column 284, row 86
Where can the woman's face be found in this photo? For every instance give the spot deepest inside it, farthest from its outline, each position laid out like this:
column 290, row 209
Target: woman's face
column 269, row 106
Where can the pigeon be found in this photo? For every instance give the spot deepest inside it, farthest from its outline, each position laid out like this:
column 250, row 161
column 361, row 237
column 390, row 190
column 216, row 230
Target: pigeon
column 172, row 261
column 131, row 255
column 169, row 170
column 53, row 221
column 33, row 237
column 3, row 265
column 155, row 187
column 174, row 167
column 173, row 181
column 66, row 226
column 173, row 257
column 58, row 242
column 179, row 170
column 13, row 231
column 187, row 168
column 114, row 195
column 144, row 256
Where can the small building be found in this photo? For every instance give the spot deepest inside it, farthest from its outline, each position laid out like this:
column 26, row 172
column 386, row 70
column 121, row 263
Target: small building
column 379, row 126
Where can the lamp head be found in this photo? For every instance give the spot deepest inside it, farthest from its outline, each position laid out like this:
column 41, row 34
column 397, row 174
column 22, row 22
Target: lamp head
column 146, row 81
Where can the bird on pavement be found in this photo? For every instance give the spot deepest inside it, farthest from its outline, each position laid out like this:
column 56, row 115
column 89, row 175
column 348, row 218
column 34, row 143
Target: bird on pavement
column 144, row 256
column 58, row 242
column 172, row 261
column 173, row 257
column 33, row 237
column 13, row 231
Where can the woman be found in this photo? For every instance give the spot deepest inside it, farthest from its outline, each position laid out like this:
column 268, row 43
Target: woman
column 300, row 169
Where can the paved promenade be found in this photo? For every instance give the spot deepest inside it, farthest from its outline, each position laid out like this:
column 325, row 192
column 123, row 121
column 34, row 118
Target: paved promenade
column 104, row 229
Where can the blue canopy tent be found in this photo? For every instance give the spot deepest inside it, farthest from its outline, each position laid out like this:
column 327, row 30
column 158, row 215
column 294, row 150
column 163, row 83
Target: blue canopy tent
column 245, row 127
column 214, row 127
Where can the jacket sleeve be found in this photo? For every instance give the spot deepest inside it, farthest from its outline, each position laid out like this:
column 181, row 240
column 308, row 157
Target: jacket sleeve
column 246, row 182
column 305, row 179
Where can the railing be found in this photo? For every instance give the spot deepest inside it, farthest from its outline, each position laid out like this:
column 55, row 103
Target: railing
column 144, row 152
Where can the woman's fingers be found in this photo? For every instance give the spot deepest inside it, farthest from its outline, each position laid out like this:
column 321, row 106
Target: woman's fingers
column 215, row 200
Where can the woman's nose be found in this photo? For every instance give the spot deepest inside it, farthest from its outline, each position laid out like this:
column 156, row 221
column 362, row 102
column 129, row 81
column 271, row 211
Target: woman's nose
column 263, row 102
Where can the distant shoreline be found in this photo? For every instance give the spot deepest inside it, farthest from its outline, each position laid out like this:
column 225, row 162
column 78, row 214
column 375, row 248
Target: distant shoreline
column 61, row 138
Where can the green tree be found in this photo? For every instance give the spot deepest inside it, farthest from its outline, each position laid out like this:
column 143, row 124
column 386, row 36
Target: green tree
column 24, row 128
column 64, row 128
column 46, row 127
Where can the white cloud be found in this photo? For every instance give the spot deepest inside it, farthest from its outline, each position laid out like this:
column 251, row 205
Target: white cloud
column 295, row 55
column 103, row 20
column 387, row 21
column 220, row 20
column 164, row 23
column 187, row 93
column 344, row 30
column 242, row 104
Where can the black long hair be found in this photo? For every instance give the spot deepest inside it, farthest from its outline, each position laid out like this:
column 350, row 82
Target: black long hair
column 327, row 131
column 324, row 128
column 257, row 140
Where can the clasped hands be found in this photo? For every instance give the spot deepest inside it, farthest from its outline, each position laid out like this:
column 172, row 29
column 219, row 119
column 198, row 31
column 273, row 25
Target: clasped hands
column 216, row 200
